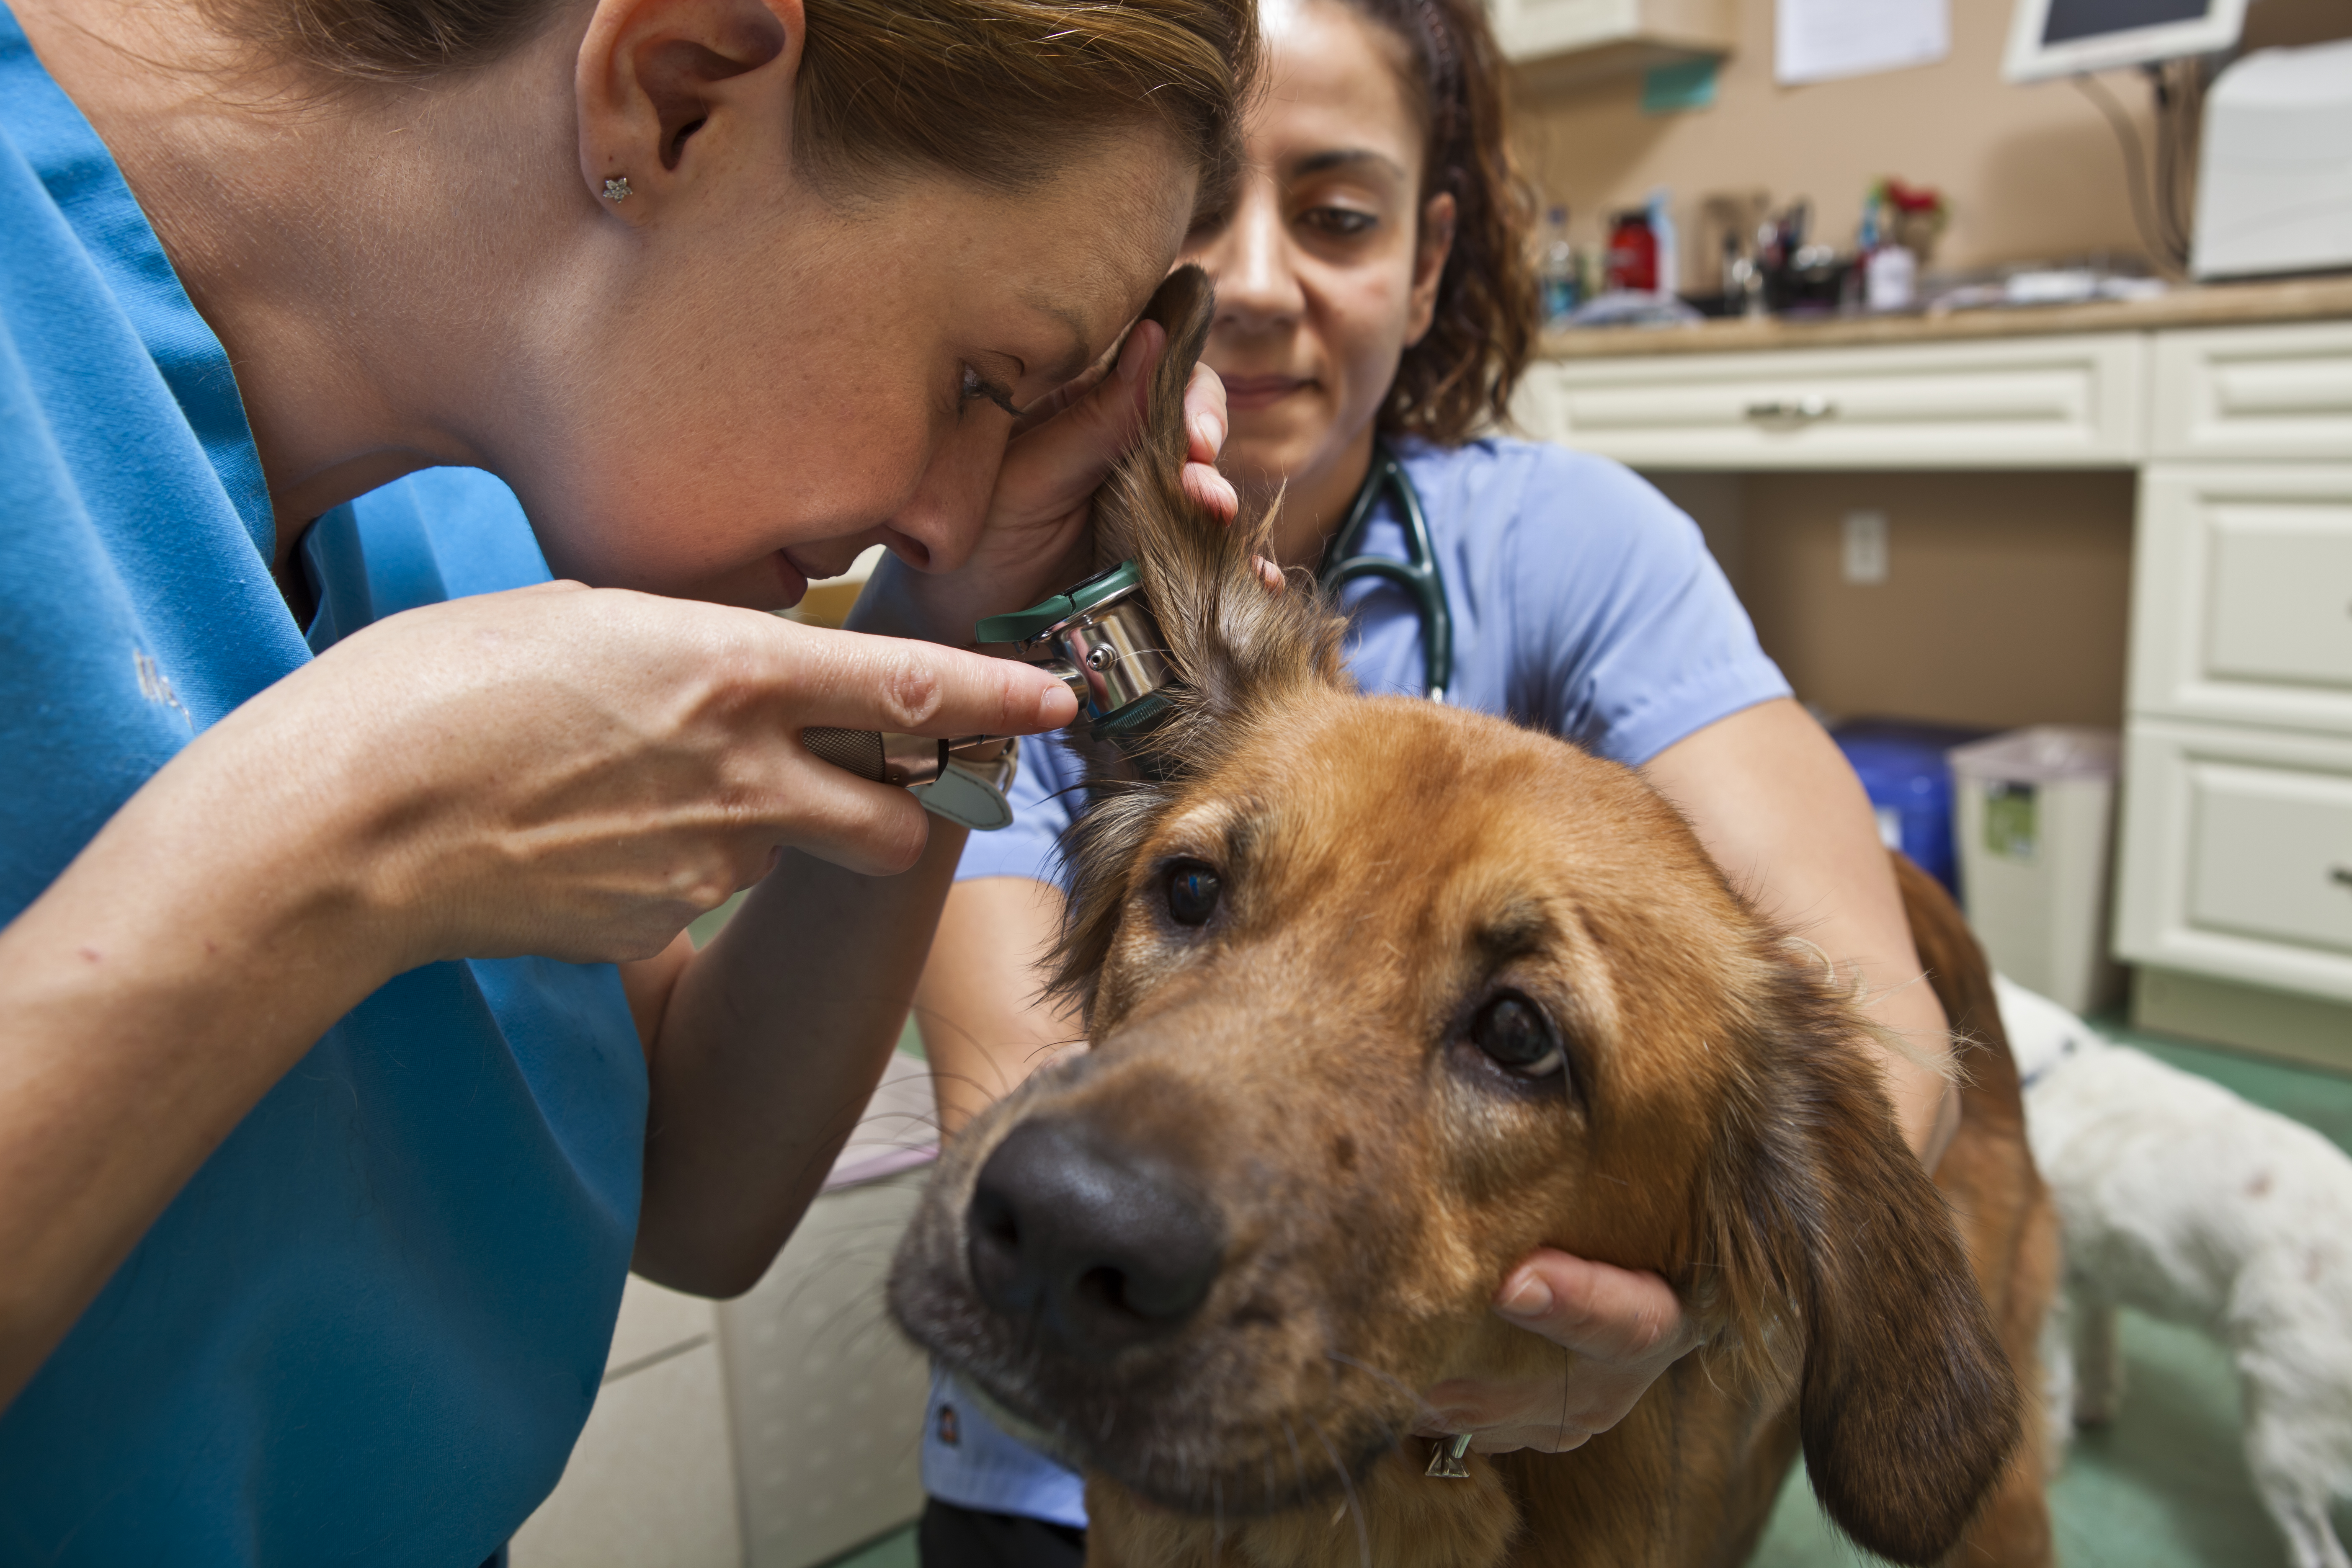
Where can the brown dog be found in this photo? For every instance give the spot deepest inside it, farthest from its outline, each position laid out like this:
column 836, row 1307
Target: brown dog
column 1382, row 995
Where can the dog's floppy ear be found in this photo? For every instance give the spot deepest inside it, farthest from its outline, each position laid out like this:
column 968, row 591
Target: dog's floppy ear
column 1835, row 1245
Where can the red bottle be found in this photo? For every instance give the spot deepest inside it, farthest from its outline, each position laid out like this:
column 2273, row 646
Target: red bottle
column 1633, row 263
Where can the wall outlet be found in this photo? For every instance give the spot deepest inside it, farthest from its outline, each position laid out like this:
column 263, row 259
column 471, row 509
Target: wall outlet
column 1864, row 556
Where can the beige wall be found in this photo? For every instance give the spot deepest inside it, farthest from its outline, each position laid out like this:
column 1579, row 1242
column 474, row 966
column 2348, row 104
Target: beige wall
column 2005, row 601
column 2032, row 172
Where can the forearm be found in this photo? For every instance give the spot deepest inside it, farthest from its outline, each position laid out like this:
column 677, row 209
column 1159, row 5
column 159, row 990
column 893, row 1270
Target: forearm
column 986, row 1023
column 1782, row 814
column 1894, row 994
column 154, row 994
column 769, row 1047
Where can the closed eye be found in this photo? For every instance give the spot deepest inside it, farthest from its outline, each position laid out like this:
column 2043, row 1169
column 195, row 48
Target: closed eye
column 976, row 386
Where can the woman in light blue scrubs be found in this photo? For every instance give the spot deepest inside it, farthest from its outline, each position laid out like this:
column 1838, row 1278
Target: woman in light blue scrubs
column 1373, row 292
column 328, row 1124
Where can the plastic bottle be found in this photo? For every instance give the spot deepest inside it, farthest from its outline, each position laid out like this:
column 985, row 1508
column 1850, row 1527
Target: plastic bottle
column 1557, row 270
column 1661, row 222
column 1632, row 255
column 1670, row 259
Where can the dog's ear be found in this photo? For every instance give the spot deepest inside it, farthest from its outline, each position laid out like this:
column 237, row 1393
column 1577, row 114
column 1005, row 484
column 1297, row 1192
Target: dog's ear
column 1235, row 648
column 1834, row 1244
column 1186, row 305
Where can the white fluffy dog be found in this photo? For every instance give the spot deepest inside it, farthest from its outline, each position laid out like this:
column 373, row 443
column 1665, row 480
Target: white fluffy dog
column 2183, row 1201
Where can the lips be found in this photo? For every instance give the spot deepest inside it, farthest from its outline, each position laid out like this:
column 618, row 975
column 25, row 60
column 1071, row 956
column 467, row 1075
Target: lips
column 1244, row 392
column 793, row 578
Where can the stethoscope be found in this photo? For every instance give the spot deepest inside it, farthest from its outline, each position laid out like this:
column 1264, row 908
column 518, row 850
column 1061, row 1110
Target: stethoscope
column 1418, row 575
column 1100, row 637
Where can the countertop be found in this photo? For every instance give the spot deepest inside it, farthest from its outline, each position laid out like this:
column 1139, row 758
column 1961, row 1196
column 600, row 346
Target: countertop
column 2208, row 305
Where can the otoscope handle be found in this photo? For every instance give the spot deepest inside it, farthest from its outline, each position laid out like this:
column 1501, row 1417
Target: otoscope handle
column 877, row 754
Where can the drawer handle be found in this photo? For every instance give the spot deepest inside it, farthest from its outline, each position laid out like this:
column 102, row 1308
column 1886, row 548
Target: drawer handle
column 2341, row 876
column 1780, row 411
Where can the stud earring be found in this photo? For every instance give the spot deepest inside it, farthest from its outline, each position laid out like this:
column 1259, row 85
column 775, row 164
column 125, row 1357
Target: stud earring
column 618, row 190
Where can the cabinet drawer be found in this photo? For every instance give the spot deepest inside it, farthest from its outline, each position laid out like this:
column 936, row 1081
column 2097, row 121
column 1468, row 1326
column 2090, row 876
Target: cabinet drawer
column 2254, row 391
column 2242, row 603
column 2237, row 855
column 2024, row 403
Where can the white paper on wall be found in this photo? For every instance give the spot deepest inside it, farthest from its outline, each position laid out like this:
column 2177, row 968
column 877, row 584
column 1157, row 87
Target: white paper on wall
column 1820, row 40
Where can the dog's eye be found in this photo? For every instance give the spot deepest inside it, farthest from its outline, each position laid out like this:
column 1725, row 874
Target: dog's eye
column 1514, row 1031
column 1193, row 891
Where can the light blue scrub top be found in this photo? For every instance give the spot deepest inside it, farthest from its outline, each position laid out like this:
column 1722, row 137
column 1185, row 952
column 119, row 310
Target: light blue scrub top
column 1584, row 604
column 368, row 1329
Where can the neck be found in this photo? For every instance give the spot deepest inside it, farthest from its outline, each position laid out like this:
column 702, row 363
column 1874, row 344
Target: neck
column 378, row 321
column 1315, row 503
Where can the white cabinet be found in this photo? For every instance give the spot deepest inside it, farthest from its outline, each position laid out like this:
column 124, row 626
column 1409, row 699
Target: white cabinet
column 2237, row 828
column 2243, row 597
column 1580, row 39
column 2273, row 393
column 2237, row 850
column 2020, row 403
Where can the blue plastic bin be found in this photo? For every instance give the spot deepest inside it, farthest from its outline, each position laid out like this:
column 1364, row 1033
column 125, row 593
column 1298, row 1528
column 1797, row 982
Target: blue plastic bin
column 1910, row 786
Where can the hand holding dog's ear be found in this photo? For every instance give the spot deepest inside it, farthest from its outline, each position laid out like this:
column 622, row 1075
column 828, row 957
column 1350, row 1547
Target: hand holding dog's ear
column 1622, row 1329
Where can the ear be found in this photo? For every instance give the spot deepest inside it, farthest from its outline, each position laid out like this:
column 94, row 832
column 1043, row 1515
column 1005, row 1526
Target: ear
column 667, row 91
column 1430, row 250
column 1184, row 304
column 1907, row 1405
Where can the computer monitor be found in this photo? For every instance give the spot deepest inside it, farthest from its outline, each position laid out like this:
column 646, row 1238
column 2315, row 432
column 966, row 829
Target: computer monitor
column 2064, row 37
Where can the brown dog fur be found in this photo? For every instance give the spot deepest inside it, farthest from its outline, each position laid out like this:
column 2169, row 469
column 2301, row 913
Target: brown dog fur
column 1302, row 1063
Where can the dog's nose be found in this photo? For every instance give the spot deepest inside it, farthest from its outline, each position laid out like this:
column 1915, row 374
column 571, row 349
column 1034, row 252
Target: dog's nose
column 1101, row 1251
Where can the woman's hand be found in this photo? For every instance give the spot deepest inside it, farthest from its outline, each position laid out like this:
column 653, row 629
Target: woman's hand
column 1621, row 1330
column 579, row 773
column 1034, row 541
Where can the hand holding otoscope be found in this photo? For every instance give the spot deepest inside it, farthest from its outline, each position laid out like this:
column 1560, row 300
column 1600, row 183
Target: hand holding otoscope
column 1098, row 638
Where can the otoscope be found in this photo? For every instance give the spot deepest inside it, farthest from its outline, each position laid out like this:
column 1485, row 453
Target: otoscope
column 1097, row 638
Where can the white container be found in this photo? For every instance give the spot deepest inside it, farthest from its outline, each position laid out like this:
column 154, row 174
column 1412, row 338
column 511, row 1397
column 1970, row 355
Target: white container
column 2034, row 818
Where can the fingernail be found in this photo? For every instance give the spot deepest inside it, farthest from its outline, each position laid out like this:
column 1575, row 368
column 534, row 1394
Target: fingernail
column 1208, row 431
column 1049, row 703
column 1527, row 1297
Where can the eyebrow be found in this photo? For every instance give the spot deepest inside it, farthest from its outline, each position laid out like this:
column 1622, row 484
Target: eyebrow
column 1075, row 359
column 1340, row 158
column 1515, row 930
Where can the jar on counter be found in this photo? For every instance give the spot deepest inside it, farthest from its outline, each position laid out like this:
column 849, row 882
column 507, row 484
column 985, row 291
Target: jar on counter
column 1633, row 263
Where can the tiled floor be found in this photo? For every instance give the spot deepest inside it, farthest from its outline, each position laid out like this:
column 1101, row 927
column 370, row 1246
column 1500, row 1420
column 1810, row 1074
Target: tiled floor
column 2166, row 1486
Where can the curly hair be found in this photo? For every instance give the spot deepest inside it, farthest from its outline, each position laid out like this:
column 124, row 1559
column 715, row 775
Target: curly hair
column 1459, row 376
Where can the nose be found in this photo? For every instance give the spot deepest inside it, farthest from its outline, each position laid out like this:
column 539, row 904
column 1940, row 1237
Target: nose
column 1252, row 263
column 1099, row 1248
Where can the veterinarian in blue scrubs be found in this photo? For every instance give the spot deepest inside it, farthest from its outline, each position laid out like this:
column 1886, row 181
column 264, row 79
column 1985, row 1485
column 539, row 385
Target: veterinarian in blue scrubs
column 327, row 1127
column 1375, row 296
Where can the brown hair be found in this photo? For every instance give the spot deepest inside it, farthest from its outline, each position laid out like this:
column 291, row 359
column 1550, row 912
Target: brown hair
column 996, row 92
column 1459, row 376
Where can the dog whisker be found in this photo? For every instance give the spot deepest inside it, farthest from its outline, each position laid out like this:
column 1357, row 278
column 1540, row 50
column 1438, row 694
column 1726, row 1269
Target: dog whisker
column 1421, row 1407
column 1347, row 1491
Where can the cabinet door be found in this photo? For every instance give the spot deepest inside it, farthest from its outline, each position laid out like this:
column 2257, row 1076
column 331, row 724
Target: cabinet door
column 2237, row 855
column 2242, row 603
column 1627, row 33
column 2254, row 391
column 2024, row 403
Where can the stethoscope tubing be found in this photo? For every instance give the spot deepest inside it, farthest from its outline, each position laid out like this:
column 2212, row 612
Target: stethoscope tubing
column 1419, row 575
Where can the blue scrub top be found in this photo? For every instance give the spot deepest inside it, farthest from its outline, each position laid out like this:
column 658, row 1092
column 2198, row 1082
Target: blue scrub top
column 1584, row 604
column 368, row 1329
